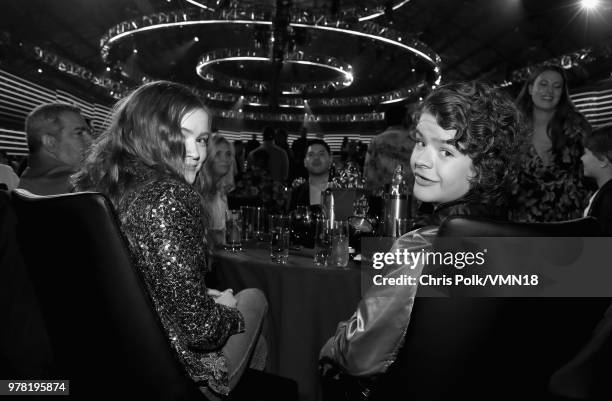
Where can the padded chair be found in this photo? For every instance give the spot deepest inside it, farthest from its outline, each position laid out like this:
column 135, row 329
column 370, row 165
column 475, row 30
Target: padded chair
column 105, row 334
column 487, row 348
column 24, row 347
column 467, row 226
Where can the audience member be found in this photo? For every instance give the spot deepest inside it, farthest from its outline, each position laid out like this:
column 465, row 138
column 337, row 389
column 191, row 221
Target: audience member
column 344, row 148
column 597, row 163
column 277, row 160
column 388, row 149
column 240, row 156
column 280, row 140
column 215, row 181
column 57, row 135
column 466, row 137
column 317, row 162
column 550, row 184
column 252, row 144
column 298, row 147
column 146, row 163
column 7, row 174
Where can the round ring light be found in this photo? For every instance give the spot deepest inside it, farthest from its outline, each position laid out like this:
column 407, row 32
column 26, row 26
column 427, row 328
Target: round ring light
column 303, row 19
column 209, row 59
column 298, row 19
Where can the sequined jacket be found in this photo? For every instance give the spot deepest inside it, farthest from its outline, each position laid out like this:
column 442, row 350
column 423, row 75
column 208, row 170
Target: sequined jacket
column 161, row 220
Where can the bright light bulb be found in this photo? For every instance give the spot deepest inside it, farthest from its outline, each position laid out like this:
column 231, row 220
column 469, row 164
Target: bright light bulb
column 196, row 39
column 589, row 4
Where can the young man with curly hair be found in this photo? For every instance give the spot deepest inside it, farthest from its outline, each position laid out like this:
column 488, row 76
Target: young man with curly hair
column 467, row 138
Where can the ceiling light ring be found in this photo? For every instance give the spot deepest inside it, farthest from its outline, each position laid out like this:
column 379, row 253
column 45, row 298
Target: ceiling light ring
column 303, row 19
column 215, row 57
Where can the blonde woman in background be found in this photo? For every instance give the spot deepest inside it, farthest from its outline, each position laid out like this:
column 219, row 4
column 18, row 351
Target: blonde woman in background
column 215, row 181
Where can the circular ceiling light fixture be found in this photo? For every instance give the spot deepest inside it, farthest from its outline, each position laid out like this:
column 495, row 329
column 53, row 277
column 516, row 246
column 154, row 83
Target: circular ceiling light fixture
column 302, row 19
column 208, row 60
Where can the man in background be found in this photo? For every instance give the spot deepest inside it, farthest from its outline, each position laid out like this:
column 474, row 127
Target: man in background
column 58, row 136
column 270, row 157
column 317, row 162
column 252, row 144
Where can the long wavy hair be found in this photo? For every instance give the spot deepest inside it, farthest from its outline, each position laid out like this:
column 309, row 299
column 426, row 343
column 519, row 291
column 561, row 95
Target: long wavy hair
column 145, row 130
column 206, row 183
column 565, row 108
column 490, row 130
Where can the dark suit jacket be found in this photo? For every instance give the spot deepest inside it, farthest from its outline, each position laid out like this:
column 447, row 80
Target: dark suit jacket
column 601, row 208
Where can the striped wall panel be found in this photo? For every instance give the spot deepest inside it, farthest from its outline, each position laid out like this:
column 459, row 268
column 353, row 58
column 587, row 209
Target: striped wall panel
column 596, row 105
column 13, row 142
column 19, row 96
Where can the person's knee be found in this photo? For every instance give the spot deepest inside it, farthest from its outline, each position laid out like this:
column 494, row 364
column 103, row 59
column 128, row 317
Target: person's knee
column 253, row 298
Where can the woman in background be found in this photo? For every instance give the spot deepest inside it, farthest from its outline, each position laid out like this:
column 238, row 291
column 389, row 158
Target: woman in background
column 214, row 182
column 550, row 186
column 146, row 163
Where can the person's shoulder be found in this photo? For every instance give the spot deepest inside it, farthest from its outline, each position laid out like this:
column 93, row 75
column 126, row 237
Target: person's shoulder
column 168, row 190
column 6, row 169
column 420, row 237
column 577, row 124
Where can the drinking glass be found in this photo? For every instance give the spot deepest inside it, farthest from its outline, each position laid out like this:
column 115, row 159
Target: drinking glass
column 233, row 230
column 401, row 227
column 247, row 222
column 280, row 231
column 301, row 226
column 339, row 243
column 323, row 242
column 258, row 221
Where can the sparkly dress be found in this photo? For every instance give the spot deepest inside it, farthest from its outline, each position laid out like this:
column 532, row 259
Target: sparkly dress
column 161, row 219
column 553, row 192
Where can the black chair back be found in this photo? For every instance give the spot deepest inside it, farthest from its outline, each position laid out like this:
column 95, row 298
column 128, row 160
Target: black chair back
column 466, row 226
column 105, row 334
column 486, row 348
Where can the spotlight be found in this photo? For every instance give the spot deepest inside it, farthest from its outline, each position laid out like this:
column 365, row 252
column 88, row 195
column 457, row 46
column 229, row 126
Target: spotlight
column 108, row 69
column 135, row 51
column 40, row 70
column 196, row 39
column 589, row 4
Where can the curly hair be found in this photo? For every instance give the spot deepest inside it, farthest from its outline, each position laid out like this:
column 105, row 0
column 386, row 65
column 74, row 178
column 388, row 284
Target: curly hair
column 565, row 108
column 145, row 130
column 205, row 183
column 489, row 130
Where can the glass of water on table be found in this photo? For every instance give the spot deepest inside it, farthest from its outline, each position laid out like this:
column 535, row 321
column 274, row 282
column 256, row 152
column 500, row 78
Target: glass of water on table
column 233, row 230
column 339, row 255
column 280, row 231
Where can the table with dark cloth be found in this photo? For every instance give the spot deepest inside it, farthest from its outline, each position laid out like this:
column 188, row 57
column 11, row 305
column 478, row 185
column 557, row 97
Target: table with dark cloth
column 305, row 305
